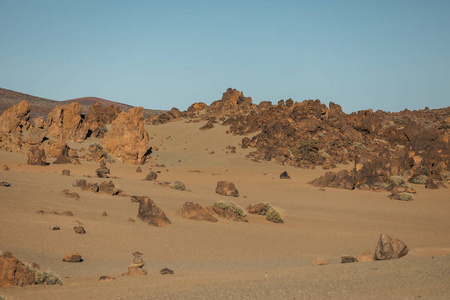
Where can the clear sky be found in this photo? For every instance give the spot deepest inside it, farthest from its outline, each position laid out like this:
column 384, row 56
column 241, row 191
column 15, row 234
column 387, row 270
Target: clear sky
column 388, row 55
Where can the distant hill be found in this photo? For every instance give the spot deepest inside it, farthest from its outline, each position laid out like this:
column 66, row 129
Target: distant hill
column 103, row 102
column 40, row 107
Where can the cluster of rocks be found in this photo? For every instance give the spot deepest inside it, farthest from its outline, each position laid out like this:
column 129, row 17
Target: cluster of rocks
column 127, row 140
column 106, row 188
column 387, row 248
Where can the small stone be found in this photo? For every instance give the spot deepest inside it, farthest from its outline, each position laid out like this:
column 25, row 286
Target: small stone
column 106, row 278
column 320, row 262
column 152, row 176
column 366, row 256
column 70, row 194
column 285, row 175
column 138, row 170
column 348, row 259
column 66, row 172
column 5, row 168
column 74, row 257
column 166, row 271
column 4, row 183
column 104, row 214
column 131, row 220
column 54, row 227
column 79, row 229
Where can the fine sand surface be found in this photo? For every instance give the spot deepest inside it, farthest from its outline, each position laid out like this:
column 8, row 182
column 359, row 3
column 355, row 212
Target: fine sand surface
column 223, row 260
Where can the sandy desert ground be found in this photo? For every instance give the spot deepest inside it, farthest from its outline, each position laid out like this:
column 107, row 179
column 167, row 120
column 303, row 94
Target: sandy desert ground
column 223, row 260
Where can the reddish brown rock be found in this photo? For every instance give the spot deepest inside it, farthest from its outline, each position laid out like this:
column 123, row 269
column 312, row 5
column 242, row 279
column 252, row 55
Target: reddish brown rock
column 196, row 212
column 151, row 214
column 70, row 194
column 135, row 271
column 127, row 139
column 65, row 123
column 79, row 229
column 37, row 157
column 13, row 272
column 65, row 172
column 320, row 262
column 258, row 209
column 15, row 117
column 430, row 184
column 389, row 248
column 227, row 188
column 74, row 258
column 166, row 271
column 151, row 176
column 139, row 198
column 366, row 256
column 108, row 188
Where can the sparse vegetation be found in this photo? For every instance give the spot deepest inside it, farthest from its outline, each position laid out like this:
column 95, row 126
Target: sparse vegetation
column 273, row 216
column 177, row 185
column 399, row 181
column 231, row 206
column 405, row 197
column 43, row 277
column 358, row 145
column 307, row 150
column 421, row 179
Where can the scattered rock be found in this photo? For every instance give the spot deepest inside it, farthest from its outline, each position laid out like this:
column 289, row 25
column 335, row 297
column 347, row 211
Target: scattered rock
column 67, row 213
column 151, row 214
column 227, row 188
column 70, row 194
column 389, row 248
column 138, row 170
column 5, row 168
column 107, row 188
column 348, row 259
column 430, row 184
column 54, row 227
column 196, row 212
column 13, row 272
column 103, row 171
column 106, row 278
column 177, row 185
column 5, row 183
column 104, row 214
column 74, row 258
column 138, row 198
column 79, row 229
column 131, row 220
column 166, row 271
column 37, row 157
column 320, row 262
column 135, row 271
column 366, row 256
column 152, row 176
column 285, row 175
column 66, row 172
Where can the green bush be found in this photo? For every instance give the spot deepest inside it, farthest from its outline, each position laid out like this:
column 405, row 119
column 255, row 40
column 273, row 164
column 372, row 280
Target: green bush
column 399, row 181
column 273, row 216
column 177, row 185
column 43, row 277
column 420, row 179
column 231, row 206
column 405, row 197
column 307, row 150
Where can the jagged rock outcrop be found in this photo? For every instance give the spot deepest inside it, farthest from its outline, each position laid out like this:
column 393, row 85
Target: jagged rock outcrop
column 16, row 117
column 66, row 123
column 196, row 212
column 13, row 272
column 98, row 117
column 151, row 214
column 127, row 139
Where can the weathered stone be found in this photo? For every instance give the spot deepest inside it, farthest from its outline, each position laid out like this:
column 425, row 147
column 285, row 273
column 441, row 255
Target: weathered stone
column 430, row 184
column 108, row 188
column 166, row 271
column 70, row 194
column 151, row 214
column 127, row 139
column 36, row 156
column 15, row 117
column 106, row 278
column 138, row 198
column 65, row 172
column 79, row 229
column 151, row 176
column 389, row 248
column 196, row 212
column 366, row 256
column 74, row 258
column 285, row 175
column 13, row 272
column 65, row 123
column 5, row 183
column 347, row 259
column 320, row 262
column 227, row 188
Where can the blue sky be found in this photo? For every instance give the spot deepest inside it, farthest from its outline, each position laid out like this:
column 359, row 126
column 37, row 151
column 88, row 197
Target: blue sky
column 388, row 55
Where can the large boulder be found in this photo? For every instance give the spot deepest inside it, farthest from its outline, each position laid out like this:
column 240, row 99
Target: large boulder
column 65, row 123
column 227, row 188
column 389, row 248
column 127, row 139
column 99, row 116
column 13, row 272
column 196, row 212
column 150, row 213
column 36, row 156
column 15, row 117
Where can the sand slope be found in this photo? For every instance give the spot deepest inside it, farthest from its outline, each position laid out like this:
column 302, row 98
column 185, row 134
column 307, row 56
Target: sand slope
column 255, row 260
